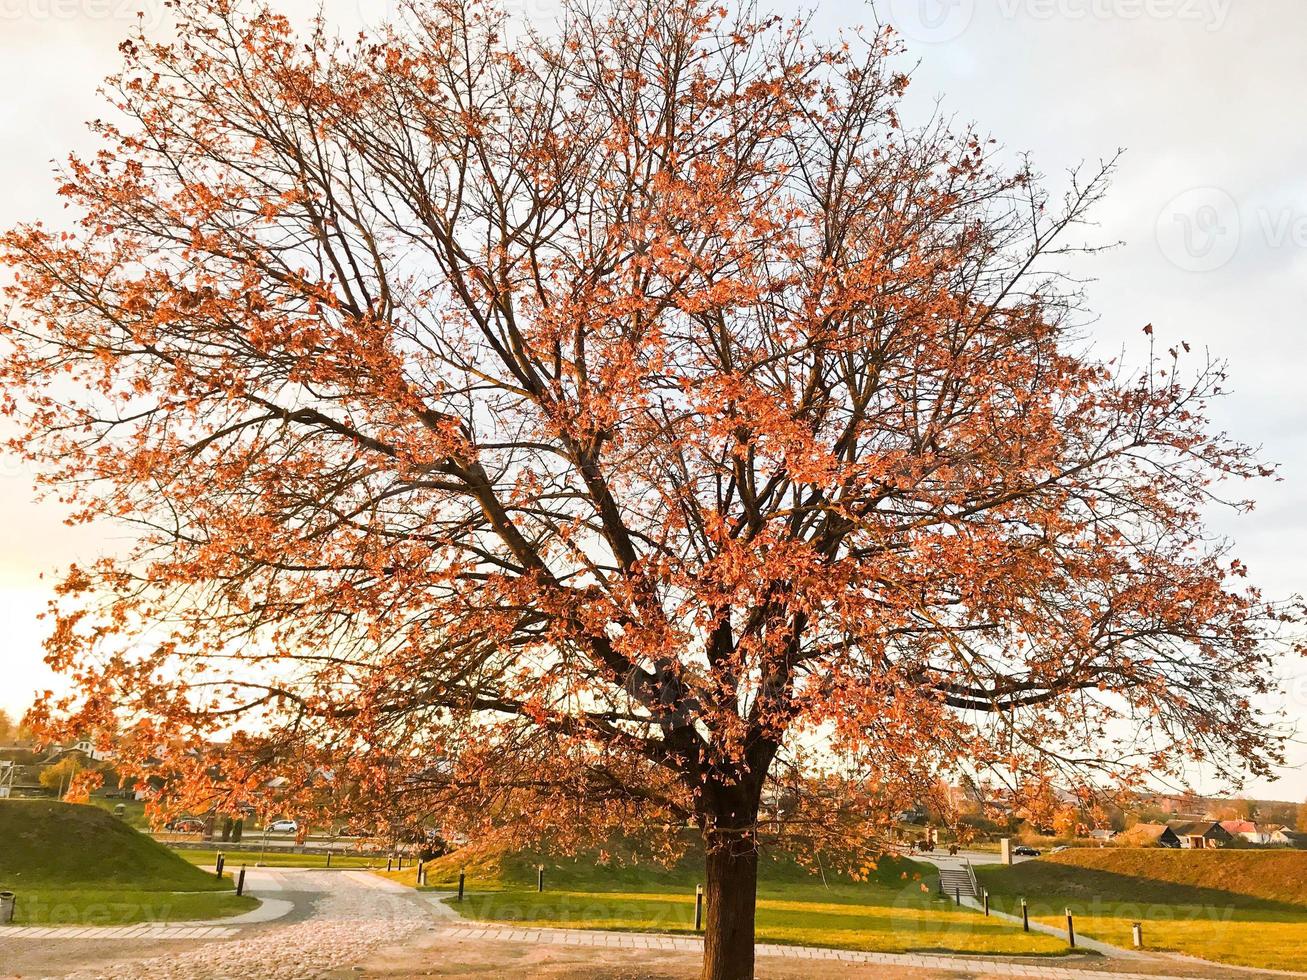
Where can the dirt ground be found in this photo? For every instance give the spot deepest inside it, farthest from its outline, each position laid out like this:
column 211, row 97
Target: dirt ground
column 432, row 956
column 589, row 963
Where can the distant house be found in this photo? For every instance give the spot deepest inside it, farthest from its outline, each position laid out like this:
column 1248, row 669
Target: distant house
column 1183, row 804
column 1102, row 835
column 1276, row 835
column 1265, row 834
column 57, row 753
column 17, row 780
column 1151, row 834
column 1245, row 829
column 1199, row 834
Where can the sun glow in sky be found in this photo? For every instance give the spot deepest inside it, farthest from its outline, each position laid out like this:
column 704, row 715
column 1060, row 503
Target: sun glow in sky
column 1210, row 206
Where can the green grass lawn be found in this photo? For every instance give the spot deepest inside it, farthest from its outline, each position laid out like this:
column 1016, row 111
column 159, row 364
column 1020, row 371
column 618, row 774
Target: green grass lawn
column 1247, row 908
column 275, row 859
column 891, row 912
column 77, row 864
column 100, row 906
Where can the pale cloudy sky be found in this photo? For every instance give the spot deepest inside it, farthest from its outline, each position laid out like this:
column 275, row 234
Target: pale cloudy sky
column 1206, row 96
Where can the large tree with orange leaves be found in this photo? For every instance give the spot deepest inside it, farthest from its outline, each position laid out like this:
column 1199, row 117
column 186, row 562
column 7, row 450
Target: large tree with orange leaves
column 599, row 431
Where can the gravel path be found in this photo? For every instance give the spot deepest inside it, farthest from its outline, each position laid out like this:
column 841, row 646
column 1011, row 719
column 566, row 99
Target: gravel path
column 340, row 918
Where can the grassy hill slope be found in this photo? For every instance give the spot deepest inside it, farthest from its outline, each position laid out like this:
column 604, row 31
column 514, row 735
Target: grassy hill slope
column 78, row 864
column 1247, row 908
column 63, row 843
column 1242, row 879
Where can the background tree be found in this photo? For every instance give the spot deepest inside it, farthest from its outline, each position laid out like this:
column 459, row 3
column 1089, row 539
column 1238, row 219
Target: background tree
column 63, row 774
column 1237, row 808
column 633, row 426
column 15, row 732
column 1276, row 811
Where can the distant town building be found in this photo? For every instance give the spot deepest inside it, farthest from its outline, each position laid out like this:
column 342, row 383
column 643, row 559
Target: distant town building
column 1151, row 835
column 1265, row 834
column 1199, row 834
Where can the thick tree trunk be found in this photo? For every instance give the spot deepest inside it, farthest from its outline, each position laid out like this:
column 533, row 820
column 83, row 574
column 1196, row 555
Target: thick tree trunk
column 729, row 897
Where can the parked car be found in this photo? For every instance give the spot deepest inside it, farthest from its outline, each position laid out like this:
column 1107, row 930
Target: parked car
column 187, row 825
column 283, row 827
column 1024, row 850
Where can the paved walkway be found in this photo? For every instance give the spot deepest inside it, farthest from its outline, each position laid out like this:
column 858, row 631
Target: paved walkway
column 146, row 930
column 977, row 858
column 629, row 940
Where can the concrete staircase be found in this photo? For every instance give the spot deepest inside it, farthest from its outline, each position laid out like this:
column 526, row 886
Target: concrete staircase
column 955, row 879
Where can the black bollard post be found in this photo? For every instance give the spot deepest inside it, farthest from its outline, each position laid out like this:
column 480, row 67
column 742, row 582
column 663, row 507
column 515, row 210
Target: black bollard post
column 421, row 868
column 1025, row 916
column 329, row 857
column 462, row 877
column 957, row 895
column 388, row 863
column 1070, row 930
column 698, row 908
column 240, row 882
column 218, row 864
column 986, row 905
column 540, row 878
